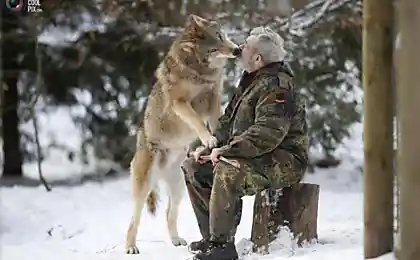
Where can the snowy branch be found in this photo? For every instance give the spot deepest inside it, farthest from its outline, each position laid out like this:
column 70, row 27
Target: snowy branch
column 308, row 16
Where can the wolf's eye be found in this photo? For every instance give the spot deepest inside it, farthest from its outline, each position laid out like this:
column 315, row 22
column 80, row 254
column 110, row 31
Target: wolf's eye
column 220, row 36
column 213, row 50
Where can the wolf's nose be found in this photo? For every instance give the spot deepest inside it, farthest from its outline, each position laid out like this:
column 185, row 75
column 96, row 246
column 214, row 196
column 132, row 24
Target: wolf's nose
column 237, row 52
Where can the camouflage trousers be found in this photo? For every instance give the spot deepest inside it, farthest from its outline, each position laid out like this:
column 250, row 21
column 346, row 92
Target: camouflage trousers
column 216, row 193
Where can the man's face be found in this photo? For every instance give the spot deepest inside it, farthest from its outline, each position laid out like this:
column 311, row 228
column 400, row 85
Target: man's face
column 248, row 59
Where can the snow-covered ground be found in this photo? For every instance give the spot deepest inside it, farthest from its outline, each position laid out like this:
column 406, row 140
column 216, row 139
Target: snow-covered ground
column 89, row 222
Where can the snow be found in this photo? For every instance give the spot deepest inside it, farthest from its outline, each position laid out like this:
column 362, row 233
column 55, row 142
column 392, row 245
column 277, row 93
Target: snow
column 389, row 256
column 90, row 221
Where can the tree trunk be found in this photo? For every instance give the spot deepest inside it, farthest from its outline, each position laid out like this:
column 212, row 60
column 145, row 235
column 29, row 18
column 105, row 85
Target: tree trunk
column 12, row 164
column 294, row 207
column 408, row 82
column 378, row 127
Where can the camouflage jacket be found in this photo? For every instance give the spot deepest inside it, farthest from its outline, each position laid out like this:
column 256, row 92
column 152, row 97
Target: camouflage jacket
column 264, row 116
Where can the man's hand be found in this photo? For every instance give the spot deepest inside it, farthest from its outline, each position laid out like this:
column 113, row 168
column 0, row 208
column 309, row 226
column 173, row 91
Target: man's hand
column 214, row 156
column 200, row 151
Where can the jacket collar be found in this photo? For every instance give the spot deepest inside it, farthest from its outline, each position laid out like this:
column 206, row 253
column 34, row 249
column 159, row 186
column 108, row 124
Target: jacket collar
column 274, row 68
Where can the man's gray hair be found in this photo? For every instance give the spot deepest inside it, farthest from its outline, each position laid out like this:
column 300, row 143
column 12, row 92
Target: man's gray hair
column 268, row 44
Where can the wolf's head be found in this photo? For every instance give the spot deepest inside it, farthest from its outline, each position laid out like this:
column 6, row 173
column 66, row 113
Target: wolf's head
column 207, row 40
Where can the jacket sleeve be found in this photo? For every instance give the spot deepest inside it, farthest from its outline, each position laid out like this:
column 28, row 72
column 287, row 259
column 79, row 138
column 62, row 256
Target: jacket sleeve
column 222, row 129
column 273, row 114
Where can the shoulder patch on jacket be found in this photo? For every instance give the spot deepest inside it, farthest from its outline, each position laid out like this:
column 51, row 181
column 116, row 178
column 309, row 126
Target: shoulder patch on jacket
column 282, row 97
column 278, row 96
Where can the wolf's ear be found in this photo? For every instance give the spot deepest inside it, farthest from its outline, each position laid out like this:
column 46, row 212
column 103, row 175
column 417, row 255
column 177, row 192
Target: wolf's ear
column 197, row 20
column 186, row 46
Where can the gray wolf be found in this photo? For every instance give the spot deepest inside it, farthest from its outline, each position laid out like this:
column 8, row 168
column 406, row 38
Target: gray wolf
column 183, row 102
column 264, row 129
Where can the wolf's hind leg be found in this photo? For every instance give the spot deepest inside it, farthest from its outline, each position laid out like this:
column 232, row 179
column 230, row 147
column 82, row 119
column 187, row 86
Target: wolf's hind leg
column 174, row 180
column 140, row 166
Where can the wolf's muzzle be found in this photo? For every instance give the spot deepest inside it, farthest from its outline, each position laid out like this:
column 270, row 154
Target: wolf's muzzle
column 237, row 52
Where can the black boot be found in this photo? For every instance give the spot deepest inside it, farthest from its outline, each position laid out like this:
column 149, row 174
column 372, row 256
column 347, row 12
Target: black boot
column 199, row 246
column 219, row 251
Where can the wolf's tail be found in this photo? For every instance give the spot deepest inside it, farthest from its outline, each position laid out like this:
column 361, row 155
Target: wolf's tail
column 152, row 201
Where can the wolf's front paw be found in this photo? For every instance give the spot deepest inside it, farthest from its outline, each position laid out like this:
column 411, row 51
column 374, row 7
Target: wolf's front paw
column 132, row 250
column 209, row 141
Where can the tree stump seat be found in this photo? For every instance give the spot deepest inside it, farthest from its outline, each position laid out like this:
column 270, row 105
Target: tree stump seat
column 295, row 207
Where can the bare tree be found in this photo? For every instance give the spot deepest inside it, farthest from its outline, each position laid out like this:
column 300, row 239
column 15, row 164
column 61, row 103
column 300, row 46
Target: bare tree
column 38, row 86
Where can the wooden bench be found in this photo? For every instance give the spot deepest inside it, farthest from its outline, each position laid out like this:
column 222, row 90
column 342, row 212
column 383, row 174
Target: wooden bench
column 295, row 207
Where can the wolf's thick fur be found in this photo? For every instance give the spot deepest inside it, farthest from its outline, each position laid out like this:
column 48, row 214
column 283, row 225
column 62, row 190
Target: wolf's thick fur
column 185, row 97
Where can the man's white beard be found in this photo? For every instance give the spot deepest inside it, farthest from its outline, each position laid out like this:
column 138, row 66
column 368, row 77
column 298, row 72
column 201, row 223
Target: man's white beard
column 248, row 67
